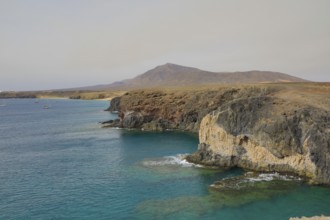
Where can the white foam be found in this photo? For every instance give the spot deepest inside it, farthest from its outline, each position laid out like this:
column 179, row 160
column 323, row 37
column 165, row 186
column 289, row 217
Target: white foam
column 271, row 176
column 177, row 160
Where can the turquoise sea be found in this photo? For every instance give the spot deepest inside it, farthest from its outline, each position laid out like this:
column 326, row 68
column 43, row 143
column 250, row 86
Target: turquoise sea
column 58, row 163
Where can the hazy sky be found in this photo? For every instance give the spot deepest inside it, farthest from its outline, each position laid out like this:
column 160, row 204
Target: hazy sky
column 46, row 44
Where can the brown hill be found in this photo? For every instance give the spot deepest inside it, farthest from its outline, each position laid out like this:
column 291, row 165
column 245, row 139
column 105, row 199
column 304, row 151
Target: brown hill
column 167, row 75
column 176, row 75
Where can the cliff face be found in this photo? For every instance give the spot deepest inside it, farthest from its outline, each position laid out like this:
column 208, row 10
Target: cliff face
column 267, row 134
column 261, row 128
column 174, row 109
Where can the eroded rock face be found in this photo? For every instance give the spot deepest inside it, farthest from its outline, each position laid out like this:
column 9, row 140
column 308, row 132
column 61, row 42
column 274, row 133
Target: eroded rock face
column 262, row 128
column 267, row 134
column 174, row 109
column 114, row 105
column 132, row 120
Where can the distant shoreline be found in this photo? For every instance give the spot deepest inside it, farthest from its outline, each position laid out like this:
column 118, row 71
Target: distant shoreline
column 83, row 95
column 52, row 97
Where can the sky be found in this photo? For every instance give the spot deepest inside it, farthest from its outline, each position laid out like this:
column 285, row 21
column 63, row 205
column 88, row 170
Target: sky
column 51, row 44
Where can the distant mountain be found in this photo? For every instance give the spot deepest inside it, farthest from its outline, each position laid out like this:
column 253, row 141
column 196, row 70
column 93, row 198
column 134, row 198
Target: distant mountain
column 176, row 75
column 99, row 87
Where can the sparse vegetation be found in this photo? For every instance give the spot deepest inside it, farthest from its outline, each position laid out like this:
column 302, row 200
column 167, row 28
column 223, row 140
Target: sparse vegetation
column 184, row 107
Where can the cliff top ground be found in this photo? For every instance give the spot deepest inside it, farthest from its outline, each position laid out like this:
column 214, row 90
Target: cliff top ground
column 313, row 94
column 184, row 107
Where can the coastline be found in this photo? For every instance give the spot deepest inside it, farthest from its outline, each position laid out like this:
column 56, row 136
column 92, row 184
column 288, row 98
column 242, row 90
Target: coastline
column 52, row 97
column 311, row 218
column 84, row 95
column 143, row 151
column 266, row 128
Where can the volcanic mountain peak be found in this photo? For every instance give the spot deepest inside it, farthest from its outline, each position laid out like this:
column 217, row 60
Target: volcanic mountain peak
column 170, row 74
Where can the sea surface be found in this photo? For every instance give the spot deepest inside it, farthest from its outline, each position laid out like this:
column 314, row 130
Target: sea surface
column 59, row 163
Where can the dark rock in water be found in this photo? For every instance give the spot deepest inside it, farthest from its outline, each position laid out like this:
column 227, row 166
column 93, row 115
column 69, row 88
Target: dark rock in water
column 112, row 123
column 252, row 186
column 107, row 122
column 230, row 192
column 251, row 180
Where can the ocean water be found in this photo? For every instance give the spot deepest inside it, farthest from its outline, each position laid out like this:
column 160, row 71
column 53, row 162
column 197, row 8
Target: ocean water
column 58, row 163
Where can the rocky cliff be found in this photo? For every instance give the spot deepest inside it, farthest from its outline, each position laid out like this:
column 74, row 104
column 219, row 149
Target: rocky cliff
column 261, row 128
column 267, row 134
column 180, row 109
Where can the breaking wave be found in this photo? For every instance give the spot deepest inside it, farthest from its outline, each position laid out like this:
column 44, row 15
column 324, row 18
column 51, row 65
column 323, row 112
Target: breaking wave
column 177, row 160
column 270, row 177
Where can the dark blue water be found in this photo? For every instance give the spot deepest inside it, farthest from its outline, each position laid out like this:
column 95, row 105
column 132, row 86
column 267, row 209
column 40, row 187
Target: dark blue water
column 59, row 163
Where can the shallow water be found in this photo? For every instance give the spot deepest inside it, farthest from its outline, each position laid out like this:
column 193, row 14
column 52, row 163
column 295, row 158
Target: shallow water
column 59, row 163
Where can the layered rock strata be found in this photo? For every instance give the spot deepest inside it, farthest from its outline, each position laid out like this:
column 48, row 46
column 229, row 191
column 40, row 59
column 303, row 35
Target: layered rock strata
column 267, row 134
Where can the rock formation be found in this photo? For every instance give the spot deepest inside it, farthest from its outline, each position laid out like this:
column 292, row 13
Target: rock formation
column 115, row 105
column 256, row 134
column 263, row 128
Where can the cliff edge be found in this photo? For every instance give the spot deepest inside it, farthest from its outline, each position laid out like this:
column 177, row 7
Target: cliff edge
column 267, row 134
column 272, row 128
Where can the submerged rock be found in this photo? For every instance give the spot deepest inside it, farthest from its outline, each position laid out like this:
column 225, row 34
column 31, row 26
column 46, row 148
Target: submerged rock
column 255, row 181
column 111, row 123
column 252, row 186
column 230, row 192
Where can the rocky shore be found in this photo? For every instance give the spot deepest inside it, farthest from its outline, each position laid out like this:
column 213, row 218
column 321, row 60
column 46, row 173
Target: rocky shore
column 312, row 218
column 270, row 128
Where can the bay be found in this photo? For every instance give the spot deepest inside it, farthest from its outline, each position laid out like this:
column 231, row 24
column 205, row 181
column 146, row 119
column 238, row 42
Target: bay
column 59, row 163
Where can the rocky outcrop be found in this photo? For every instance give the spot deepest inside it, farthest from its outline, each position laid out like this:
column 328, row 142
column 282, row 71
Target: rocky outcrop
column 255, row 186
column 261, row 128
column 114, row 105
column 113, row 123
column 267, row 134
column 174, row 109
